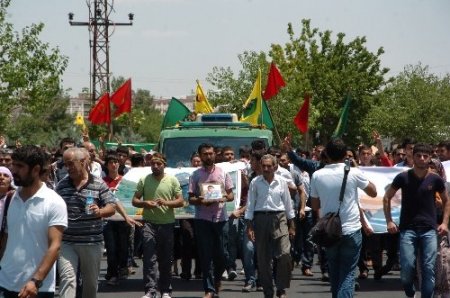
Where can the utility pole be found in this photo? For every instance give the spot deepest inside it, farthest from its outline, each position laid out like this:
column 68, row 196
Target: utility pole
column 99, row 28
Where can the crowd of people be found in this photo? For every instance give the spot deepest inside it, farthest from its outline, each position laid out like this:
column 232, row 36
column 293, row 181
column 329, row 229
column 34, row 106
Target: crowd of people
column 59, row 213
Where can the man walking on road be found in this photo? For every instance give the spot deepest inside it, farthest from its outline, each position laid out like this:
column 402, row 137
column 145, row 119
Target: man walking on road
column 210, row 218
column 88, row 200
column 270, row 222
column 326, row 185
column 418, row 222
column 36, row 219
column 158, row 193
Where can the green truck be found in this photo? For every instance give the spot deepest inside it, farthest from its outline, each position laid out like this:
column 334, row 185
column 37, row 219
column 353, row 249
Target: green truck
column 178, row 142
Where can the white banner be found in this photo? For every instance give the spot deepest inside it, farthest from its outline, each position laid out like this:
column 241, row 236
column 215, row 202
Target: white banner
column 127, row 186
column 382, row 178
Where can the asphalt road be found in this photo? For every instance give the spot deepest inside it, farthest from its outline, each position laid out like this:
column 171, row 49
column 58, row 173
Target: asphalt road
column 301, row 286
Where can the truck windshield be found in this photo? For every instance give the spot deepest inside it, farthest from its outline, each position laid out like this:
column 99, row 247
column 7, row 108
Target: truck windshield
column 179, row 150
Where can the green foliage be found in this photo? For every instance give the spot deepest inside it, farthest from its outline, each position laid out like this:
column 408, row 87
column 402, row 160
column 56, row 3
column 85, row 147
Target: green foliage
column 415, row 104
column 231, row 93
column 30, row 92
column 316, row 62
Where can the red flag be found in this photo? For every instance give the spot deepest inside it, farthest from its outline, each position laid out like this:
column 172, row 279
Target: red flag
column 301, row 120
column 101, row 112
column 122, row 99
column 274, row 82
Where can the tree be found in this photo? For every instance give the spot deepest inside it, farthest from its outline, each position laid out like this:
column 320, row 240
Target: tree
column 415, row 104
column 318, row 63
column 30, row 74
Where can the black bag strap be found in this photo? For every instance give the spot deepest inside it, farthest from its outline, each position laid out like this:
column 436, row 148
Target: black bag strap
column 344, row 183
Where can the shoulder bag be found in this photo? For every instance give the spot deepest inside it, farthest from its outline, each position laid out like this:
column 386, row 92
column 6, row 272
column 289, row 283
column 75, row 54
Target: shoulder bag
column 328, row 229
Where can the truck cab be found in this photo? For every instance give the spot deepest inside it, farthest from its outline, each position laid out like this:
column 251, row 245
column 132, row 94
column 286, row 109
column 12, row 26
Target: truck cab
column 178, row 143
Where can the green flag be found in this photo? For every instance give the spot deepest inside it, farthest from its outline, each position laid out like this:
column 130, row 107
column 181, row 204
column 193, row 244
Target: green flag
column 267, row 116
column 176, row 111
column 342, row 124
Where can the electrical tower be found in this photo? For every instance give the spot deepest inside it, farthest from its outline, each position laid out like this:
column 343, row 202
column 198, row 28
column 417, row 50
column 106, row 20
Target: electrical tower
column 99, row 33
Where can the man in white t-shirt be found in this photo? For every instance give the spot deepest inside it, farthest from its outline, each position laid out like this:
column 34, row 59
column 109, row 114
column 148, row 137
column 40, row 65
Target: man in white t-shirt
column 325, row 189
column 36, row 219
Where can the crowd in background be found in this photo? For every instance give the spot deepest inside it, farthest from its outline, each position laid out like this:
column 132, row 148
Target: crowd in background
column 78, row 172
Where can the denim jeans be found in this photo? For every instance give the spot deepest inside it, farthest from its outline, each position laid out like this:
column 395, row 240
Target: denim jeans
column 303, row 247
column 342, row 260
column 116, row 234
column 210, row 245
column 239, row 244
column 248, row 259
column 412, row 242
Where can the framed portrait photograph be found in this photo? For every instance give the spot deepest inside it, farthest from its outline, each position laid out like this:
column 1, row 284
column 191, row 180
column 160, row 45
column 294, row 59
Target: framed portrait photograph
column 212, row 191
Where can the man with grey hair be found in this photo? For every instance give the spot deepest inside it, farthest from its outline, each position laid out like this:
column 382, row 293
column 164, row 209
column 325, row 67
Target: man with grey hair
column 270, row 222
column 88, row 200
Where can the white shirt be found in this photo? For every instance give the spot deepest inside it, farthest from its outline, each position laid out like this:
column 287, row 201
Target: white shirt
column 96, row 169
column 326, row 185
column 28, row 224
column 263, row 196
column 286, row 175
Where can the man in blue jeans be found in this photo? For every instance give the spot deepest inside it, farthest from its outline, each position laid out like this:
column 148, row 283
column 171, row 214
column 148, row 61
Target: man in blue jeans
column 418, row 220
column 326, row 185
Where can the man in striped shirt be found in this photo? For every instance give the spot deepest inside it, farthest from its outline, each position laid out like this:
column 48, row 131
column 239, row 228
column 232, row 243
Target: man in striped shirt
column 82, row 240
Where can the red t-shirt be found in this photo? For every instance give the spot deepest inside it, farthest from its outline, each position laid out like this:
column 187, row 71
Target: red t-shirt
column 112, row 183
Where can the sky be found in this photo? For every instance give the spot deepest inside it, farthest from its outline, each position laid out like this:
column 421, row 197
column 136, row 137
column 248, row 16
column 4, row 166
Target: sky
column 172, row 43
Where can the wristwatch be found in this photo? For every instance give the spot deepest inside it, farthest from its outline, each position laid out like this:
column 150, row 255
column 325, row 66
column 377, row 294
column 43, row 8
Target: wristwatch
column 37, row 282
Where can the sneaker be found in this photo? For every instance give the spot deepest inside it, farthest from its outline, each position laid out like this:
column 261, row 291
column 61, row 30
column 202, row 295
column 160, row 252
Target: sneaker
column 225, row 275
column 232, row 275
column 249, row 288
column 166, row 295
column 113, row 281
column 325, row 277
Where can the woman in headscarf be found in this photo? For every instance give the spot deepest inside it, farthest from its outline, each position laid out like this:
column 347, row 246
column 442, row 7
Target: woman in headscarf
column 6, row 192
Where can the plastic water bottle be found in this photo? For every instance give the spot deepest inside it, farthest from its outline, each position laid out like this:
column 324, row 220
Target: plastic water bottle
column 89, row 202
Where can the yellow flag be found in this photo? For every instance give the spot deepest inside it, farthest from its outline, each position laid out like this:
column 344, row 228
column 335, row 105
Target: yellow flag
column 201, row 104
column 79, row 120
column 253, row 106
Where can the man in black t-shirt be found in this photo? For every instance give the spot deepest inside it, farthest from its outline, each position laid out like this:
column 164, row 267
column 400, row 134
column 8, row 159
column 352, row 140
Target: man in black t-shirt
column 418, row 226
